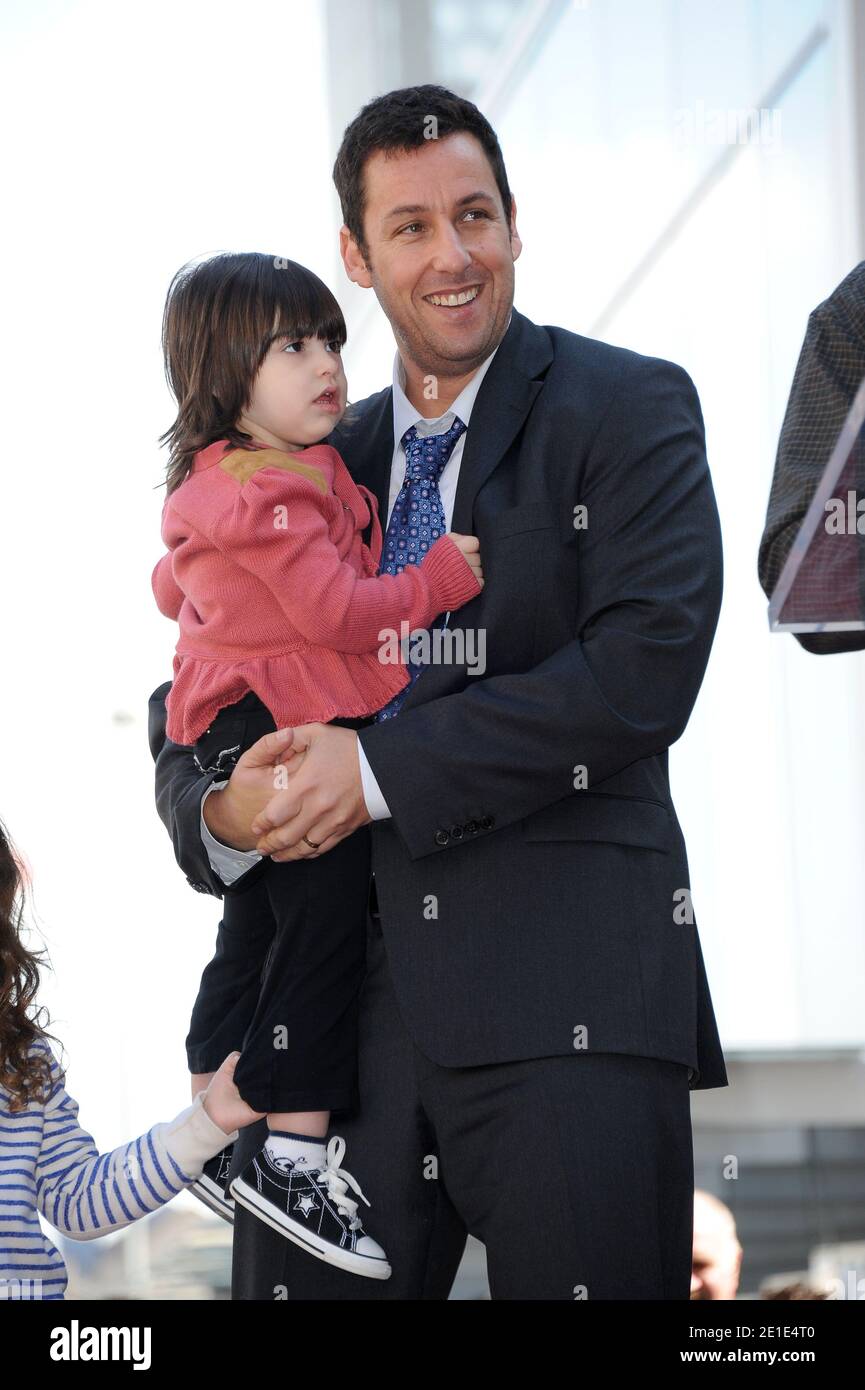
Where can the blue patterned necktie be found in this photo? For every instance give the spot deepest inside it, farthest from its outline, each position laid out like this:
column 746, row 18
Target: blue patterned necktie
column 417, row 519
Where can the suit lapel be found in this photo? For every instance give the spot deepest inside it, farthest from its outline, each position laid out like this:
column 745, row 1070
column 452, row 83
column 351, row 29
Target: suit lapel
column 507, row 394
column 505, row 398
column 366, row 446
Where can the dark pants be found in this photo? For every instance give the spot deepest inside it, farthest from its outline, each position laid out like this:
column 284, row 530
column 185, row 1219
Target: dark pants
column 282, row 987
column 576, row 1172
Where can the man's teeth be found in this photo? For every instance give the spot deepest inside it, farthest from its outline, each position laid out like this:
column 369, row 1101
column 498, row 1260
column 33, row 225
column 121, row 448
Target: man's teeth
column 452, row 300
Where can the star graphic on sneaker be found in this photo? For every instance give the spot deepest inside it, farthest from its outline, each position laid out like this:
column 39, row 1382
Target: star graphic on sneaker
column 305, row 1205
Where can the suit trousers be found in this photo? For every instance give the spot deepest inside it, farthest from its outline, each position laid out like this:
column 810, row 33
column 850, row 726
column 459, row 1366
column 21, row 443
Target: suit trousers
column 576, row 1173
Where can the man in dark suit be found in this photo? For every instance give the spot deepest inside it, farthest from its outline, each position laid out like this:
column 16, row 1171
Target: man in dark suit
column 535, row 1008
column 828, row 374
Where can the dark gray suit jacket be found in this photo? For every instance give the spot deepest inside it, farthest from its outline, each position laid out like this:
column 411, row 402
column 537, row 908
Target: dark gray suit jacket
column 523, row 917
column 828, row 374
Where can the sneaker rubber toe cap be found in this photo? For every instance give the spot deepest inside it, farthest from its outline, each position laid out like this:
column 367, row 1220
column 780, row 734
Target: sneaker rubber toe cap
column 370, row 1248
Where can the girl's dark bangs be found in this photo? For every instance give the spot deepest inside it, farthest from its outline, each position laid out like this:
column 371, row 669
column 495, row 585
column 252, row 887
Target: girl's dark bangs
column 305, row 309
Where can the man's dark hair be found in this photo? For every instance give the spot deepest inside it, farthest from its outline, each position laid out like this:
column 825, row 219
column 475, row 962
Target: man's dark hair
column 401, row 121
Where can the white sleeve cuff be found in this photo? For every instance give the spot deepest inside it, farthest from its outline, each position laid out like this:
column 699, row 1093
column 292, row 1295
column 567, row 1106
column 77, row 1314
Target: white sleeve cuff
column 192, row 1137
column 376, row 805
column 227, row 863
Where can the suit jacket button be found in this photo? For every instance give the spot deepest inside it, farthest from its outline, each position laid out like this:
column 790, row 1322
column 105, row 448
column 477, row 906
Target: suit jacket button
column 487, row 822
column 456, row 832
column 441, row 837
column 472, row 827
column 199, row 887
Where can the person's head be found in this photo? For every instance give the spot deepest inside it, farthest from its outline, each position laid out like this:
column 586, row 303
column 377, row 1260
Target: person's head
column 428, row 212
column 24, row 1075
column 250, row 342
column 717, row 1256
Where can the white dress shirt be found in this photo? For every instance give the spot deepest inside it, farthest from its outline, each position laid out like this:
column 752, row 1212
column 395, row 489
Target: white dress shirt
column 230, row 863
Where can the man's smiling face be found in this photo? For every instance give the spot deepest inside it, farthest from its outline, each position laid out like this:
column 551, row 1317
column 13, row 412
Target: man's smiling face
column 440, row 253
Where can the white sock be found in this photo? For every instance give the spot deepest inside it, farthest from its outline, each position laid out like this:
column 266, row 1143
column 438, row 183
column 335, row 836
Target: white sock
column 304, row 1150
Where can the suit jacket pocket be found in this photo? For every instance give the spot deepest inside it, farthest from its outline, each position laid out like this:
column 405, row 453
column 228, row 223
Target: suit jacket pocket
column 623, row 820
column 531, row 516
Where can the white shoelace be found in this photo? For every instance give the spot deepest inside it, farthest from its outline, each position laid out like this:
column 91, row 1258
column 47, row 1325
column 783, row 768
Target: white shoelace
column 337, row 1181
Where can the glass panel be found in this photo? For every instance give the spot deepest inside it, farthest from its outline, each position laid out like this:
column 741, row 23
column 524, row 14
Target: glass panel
column 822, row 584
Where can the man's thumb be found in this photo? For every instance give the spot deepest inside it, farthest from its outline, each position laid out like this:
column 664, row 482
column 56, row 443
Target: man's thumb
column 268, row 748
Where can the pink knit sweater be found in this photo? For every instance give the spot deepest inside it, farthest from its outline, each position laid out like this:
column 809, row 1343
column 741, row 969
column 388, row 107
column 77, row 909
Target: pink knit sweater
column 275, row 592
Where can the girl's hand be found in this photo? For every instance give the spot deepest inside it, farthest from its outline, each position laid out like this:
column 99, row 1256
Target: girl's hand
column 223, row 1101
column 471, row 549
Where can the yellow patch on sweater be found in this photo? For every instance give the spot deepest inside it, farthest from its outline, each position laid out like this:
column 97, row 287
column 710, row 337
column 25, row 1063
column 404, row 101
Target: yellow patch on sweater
column 242, row 463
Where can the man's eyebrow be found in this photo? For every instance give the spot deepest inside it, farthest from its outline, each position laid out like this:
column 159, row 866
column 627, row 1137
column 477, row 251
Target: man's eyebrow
column 405, row 209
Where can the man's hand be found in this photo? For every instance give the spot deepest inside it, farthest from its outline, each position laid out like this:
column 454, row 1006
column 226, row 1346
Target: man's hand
column 323, row 798
column 228, row 814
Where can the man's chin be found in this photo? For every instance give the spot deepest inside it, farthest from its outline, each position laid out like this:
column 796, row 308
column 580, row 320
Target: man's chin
column 462, row 348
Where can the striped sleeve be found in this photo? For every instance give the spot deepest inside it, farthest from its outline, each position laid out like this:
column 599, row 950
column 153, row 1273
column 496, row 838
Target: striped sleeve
column 85, row 1194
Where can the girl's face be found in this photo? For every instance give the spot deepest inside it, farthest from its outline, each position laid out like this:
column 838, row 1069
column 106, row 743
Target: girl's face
column 299, row 394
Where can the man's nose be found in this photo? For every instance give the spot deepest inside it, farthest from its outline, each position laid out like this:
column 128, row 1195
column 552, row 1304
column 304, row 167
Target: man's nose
column 449, row 251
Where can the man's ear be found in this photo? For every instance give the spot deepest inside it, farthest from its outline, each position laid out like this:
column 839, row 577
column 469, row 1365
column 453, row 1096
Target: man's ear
column 352, row 259
column 516, row 241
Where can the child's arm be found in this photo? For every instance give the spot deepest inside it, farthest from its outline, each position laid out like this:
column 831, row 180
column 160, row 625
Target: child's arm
column 169, row 596
column 85, row 1194
column 323, row 596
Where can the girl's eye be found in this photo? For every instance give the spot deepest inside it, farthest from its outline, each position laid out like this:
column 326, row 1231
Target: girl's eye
column 334, row 345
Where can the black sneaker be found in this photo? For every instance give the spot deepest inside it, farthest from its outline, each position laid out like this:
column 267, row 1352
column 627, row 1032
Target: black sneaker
column 212, row 1187
column 311, row 1207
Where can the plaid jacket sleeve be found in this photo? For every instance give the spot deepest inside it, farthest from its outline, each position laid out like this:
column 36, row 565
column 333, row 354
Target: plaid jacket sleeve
column 830, row 368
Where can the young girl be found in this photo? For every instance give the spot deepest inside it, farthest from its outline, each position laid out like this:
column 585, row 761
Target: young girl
column 281, row 613
column 48, row 1163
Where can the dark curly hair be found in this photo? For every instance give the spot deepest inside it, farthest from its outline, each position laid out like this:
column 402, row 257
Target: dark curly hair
column 401, row 120
column 25, row 1063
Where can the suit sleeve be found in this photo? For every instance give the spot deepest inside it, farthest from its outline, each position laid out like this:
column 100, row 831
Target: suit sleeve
column 180, row 788
column 322, row 595
column 649, row 597
column 830, row 368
